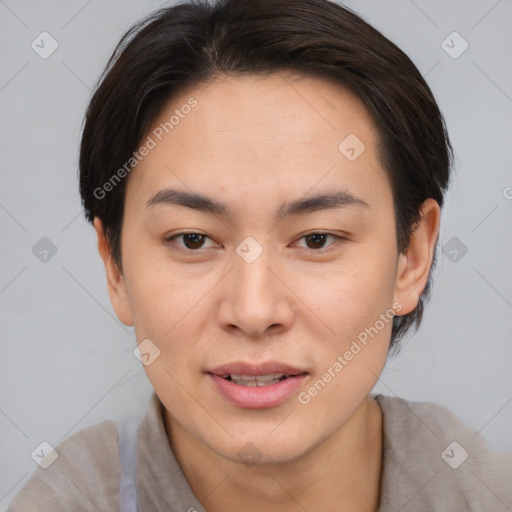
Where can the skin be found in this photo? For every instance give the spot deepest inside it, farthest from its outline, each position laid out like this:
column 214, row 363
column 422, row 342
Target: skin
column 254, row 143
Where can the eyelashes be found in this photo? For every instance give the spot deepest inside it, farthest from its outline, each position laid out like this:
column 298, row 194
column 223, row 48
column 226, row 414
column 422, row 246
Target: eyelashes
column 196, row 240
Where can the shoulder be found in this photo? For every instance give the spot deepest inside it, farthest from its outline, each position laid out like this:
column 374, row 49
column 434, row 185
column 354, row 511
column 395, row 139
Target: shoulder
column 433, row 459
column 84, row 476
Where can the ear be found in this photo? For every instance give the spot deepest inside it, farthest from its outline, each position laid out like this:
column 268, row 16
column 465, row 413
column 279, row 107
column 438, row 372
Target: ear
column 115, row 280
column 414, row 266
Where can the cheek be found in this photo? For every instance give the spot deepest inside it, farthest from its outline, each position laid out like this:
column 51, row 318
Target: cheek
column 358, row 311
column 353, row 296
column 159, row 295
column 172, row 309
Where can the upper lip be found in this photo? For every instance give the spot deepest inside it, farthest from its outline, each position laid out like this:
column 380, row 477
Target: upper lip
column 253, row 369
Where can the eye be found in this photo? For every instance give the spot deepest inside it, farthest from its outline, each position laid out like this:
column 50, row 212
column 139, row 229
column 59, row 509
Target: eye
column 316, row 241
column 191, row 240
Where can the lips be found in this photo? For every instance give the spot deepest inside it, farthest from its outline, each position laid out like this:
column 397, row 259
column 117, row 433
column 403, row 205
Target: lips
column 257, row 385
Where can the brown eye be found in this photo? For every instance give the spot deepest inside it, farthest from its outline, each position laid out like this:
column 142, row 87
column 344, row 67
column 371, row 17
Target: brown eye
column 191, row 241
column 316, row 241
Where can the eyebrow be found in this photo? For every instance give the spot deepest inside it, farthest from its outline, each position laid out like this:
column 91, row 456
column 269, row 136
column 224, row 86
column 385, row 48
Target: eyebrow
column 195, row 201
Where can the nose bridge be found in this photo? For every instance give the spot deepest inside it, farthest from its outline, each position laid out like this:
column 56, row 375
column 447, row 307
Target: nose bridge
column 251, row 271
column 256, row 295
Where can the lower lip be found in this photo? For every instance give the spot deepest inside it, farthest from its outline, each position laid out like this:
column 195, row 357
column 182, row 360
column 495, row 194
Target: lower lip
column 257, row 397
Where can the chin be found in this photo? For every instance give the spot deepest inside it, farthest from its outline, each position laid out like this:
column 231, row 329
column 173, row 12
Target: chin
column 257, row 447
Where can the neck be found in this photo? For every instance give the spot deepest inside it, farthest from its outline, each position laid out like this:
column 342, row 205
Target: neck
column 343, row 473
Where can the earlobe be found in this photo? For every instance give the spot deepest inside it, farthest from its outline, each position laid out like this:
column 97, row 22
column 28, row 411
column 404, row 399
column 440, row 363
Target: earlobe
column 115, row 279
column 414, row 266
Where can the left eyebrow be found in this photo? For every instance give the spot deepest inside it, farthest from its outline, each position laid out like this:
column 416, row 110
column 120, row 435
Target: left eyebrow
column 325, row 201
column 193, row 200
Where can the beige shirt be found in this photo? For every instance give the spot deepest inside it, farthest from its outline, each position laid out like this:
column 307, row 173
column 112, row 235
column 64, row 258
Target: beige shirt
column 432, row 462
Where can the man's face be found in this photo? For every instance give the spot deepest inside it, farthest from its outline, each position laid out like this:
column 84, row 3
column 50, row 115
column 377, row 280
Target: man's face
column 256, row 287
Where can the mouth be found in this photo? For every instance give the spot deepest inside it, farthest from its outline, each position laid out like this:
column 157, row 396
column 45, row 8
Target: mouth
column 257, row 385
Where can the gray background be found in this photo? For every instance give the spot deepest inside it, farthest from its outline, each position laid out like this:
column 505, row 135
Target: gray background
column 67, row 362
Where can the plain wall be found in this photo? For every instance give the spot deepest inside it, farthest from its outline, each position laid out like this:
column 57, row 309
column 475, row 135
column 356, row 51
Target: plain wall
column 67, row 362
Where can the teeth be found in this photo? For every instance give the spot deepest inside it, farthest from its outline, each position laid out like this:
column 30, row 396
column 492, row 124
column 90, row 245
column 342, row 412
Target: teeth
column 255, row 383
column 256, row 380
column 259, row 378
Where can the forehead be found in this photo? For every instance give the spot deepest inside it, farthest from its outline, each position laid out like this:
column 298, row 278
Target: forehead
column 273, row 107
column 281, row 132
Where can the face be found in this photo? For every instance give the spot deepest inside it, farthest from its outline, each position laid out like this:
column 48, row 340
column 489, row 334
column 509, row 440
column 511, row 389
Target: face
column 263, row 272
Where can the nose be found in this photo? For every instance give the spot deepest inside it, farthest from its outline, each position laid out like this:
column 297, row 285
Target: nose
column 257, row 300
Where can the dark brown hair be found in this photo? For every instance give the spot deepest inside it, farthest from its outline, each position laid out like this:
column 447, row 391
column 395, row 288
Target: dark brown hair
column 194, row 42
